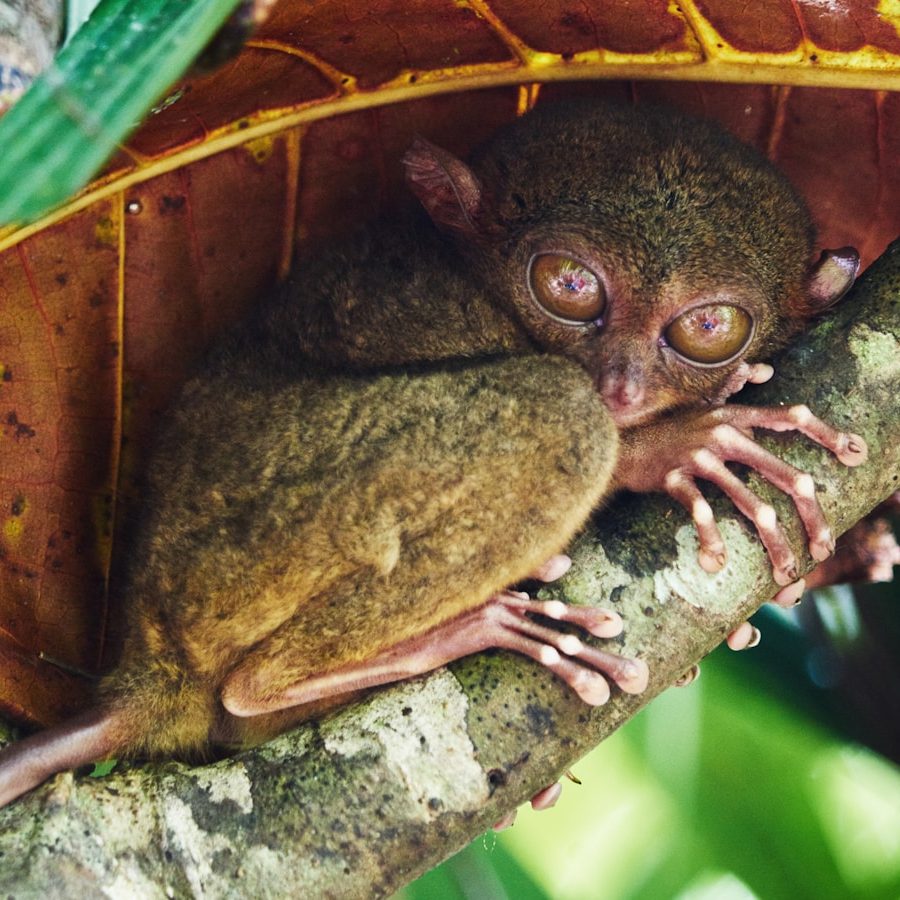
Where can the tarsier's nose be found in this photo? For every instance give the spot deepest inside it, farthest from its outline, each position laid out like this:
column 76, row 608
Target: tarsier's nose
column 622, row 390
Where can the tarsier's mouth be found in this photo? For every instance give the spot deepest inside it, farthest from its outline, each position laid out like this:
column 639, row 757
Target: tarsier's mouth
column 626, row 417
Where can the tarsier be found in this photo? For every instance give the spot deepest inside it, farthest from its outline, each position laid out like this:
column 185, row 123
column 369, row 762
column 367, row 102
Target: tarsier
column 426, row 415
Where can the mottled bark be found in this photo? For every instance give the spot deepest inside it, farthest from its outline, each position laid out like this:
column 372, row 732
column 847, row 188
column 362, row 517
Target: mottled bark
column 359, row 804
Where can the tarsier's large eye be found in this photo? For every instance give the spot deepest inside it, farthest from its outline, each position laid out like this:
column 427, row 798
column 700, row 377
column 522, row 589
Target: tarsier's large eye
column 566, row 288
column 710, row 334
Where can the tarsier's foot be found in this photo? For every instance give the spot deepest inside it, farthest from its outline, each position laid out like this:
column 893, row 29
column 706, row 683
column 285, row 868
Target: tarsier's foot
column 503, row 622
column 630, row 675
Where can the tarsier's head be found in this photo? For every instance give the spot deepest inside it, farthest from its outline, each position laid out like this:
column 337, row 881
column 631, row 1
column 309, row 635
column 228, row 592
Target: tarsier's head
column 653, row 248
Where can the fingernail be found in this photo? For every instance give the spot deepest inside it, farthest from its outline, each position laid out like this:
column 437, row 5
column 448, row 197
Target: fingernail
column 712, row 562
column 555, row 567
column 790, row 595
column 692, row 674
column 547, row 797
column 822, row 549
column 754, row 641
column 783, row 577
column 605, row 625
column 857, row 447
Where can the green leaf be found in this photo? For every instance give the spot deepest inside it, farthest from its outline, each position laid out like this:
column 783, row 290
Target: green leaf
column 94, row 94
column 103, row 768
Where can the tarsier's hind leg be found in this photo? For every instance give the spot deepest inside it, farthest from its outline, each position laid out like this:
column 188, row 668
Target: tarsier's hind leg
column 477, row 526
column 509, row 620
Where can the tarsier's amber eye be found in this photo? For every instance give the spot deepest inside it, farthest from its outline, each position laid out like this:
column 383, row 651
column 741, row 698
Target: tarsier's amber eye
column 710, row 334
column 566, row 288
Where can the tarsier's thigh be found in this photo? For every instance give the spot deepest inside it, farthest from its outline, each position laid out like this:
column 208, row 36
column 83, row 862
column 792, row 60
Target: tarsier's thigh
column 493, row 470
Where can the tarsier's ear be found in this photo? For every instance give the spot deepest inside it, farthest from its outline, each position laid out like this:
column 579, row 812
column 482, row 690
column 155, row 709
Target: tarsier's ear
column 832, row 276
column 446, row 187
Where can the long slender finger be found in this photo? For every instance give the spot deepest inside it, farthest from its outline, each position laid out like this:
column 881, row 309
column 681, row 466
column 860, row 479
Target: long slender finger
column 760, row 373
column 734, row 445
column 603, row 623
column 791, row 595
column 744, row 637
column 705, row 464
column 849, row 448
column 592, row 687
column 631, row 675
column 683, row 489
column 547, row 797
column 554, row 568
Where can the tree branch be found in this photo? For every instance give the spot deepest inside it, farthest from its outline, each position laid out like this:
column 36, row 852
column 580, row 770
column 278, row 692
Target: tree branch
column 360, row 803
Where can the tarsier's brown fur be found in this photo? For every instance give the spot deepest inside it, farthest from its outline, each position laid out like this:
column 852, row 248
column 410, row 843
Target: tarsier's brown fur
column 401, row 432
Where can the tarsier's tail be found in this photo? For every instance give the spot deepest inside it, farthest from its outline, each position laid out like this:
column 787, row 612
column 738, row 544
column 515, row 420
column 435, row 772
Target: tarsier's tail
column 93, row 735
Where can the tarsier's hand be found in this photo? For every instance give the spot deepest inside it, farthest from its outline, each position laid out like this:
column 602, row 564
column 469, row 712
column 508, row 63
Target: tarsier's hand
column 746, row 635
column 669, row 455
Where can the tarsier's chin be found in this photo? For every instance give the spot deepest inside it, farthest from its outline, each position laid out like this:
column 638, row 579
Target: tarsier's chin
column 424, row 416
